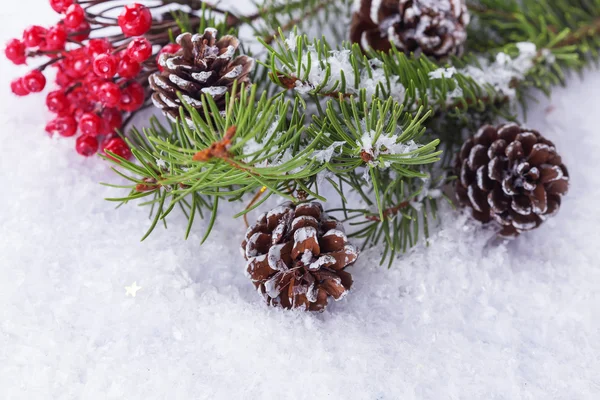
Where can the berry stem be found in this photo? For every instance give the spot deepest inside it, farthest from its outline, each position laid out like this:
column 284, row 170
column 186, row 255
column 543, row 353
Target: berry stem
column 48, row 63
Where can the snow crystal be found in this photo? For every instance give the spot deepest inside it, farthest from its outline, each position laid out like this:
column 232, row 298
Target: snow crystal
column 158, row 104
column 303, row 87
column 179, row 81
column 503, row 70
column 172, row 65
column 384, row 145
column 305, row 233
column 271, row 287
column 215, row 91
column 442, row 73
column 325, row 259
column 202, row 76
column 274, row 257
column 168, row 101
column 160, row 163
column 253, row 145
column 191, row 101
column 324, row 156
column 234, row 73
column 336, row 233
column 159, row 82
column 306, row 257
column 549, row 57
column 375, row 5
column 213, row 31
column 291, row 41
column 228, row 53
column 339, row 62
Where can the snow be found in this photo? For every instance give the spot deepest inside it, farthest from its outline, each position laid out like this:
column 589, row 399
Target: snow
column 215, row 90
column 325, row 155
column 291, row 41
column 202, row 76
column 385, row 144
column 504, row 69
column 442, row 73
column 466, row 318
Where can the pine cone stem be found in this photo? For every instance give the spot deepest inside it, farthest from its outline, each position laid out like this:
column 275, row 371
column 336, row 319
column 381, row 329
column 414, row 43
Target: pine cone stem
column 257, row 196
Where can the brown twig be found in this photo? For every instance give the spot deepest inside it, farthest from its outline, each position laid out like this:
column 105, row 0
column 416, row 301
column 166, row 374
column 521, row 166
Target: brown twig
column 576, row 36
column 478, row 8
column 389, row 212
column 218, row 149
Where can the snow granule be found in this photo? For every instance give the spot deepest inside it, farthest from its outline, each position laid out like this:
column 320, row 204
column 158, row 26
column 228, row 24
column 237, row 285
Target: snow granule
column 291, row 41
column 325, row 155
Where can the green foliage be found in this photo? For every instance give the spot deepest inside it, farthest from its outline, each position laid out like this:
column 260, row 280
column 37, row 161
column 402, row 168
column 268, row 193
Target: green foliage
column 380, row 128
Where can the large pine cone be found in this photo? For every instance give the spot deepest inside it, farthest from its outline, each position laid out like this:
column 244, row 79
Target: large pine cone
column 437, row 28
column 511, row 175
column 203, row 65
column 296, row 257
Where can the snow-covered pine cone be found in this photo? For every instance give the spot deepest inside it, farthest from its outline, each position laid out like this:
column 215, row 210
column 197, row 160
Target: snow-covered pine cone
column 296, row 257
column 437, row 28
column 510, row 175
column 203, row 65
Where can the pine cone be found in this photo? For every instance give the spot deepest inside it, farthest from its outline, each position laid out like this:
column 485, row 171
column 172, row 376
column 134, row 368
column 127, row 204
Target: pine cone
column 434, row 28
column 296, row 257
column 511, row 175
column 202, row 65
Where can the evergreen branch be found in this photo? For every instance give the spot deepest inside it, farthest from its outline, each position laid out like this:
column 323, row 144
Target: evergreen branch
column 379, row 120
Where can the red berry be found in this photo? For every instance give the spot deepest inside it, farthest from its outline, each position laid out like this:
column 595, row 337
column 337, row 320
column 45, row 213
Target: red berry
column 18, row 87
column 132, row 97
column 34, row 35
column 96, row 47
column 128, row 68
column 135, row 19
column 15, row 51
column 63, row 80
column 171, row 48
column 81, row 32
column 90, row 124
column 79, row 99
column 118, row 147
column 112, row 120
column 105, row 65
column 109, row 94
column 56, row 38
column 86, row 145
column 139, row 49
column 77, row 64
column 74, row 16
column 60, row 5
column 91, row 84
column 57, row 102
column 34, row 81
column 64, row 126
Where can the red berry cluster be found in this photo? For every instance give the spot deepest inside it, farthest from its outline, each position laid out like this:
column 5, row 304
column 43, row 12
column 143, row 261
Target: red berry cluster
column 100, row 79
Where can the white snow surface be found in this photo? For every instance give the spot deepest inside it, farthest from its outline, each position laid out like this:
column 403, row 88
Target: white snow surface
column 465, row 318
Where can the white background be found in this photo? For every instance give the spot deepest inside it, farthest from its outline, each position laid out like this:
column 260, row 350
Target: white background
column 462, row 319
